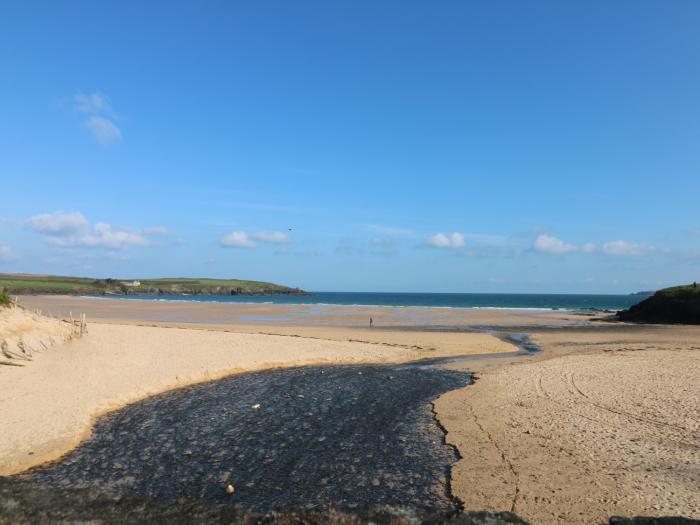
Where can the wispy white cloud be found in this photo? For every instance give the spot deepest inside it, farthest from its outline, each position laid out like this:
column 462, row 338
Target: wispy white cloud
column 549, row 244
column 554, row 245
column 103, row 129
column 102, row 235
column 241, row 239
column 72, row 229
column 440, row 240
column 626, row 248
column 237, row 240
column 93, row 103
column 100, row 118
column 59, row 223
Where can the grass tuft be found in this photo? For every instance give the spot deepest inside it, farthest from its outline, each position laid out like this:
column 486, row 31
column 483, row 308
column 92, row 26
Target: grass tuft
column 5, row 300
column 687, row 290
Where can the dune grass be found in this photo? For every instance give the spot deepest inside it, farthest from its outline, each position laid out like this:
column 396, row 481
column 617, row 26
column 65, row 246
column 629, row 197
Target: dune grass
column 5, row 300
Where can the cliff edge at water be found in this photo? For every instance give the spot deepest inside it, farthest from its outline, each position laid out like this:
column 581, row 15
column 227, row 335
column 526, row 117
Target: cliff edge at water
column 679, row 304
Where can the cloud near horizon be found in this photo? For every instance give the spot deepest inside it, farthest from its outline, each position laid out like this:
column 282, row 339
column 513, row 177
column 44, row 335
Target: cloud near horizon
column 72, row 229
column 549, row 244
column 440, row 240
column 556, row 246
column 241, row 239
column 100, row 120
column 626, row 248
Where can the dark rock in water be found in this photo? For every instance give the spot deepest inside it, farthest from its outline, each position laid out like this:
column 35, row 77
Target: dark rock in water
column 649, row 520
column 25, row 503
column 680, row 305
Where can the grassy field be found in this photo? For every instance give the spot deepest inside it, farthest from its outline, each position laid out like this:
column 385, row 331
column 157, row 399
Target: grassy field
column 50, row 284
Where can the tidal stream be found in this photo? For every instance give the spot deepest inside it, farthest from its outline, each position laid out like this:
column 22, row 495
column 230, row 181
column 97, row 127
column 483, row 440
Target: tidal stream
column 303, row 438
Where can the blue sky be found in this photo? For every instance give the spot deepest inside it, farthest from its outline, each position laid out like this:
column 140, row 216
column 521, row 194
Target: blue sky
column 396, row 146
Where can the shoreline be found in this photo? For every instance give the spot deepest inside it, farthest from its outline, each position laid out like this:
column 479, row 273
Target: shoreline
column 212, row 312
column 211, row 299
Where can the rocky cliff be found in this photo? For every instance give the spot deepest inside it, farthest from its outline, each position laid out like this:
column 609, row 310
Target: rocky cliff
column 680, row 304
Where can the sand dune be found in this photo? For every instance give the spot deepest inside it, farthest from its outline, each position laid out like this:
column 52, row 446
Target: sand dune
column 25, row 334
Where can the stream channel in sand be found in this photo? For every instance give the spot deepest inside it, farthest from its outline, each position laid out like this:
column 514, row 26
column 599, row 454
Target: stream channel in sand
column 322, row 436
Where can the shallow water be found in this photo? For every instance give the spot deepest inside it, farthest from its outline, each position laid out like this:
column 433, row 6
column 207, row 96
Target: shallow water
column 340, row 436
column 434, row 300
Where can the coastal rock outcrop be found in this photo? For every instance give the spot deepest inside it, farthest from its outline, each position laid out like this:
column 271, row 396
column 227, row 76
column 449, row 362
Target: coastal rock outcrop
column 680, row 304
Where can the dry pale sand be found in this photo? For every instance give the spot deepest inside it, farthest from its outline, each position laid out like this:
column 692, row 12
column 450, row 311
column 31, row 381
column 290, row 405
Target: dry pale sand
column 48, row 406
column 601, row 423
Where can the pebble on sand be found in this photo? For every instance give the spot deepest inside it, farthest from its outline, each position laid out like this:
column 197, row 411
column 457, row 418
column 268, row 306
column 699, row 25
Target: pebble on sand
column 229, row 489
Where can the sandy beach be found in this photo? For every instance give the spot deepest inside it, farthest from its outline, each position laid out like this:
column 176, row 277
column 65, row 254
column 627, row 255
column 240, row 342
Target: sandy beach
column 202, row 312
column 602, row 422
column 51, row 402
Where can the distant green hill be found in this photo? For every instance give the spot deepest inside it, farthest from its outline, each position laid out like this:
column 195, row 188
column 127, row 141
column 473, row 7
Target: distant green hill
column 679, row 304
column 50, row 284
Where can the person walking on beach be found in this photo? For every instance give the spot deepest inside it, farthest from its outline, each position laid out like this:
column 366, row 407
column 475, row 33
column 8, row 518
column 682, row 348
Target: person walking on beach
column 371, row 322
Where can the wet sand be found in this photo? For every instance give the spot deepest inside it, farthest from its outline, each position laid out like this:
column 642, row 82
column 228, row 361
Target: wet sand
column 193, row 312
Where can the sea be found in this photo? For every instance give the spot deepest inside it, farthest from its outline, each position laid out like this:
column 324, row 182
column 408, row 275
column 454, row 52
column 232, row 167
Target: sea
column 593, row 302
